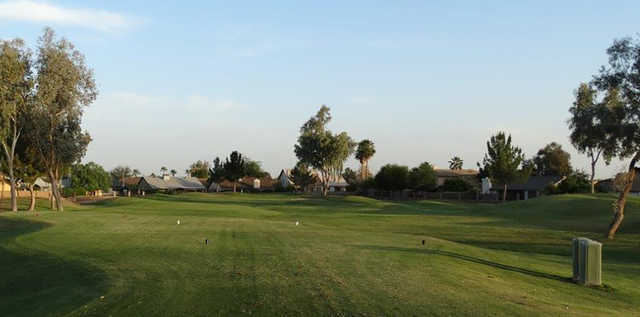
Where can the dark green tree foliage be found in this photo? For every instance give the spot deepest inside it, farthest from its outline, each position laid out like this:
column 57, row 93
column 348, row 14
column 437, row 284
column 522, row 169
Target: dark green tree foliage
column 392, row 177
column 502, row 162
column 588, row 129
column 620, row 82
column 216, row 173
column 199, row 169
column 89, row 177
column 422, row 177
column 302, row 177
column 455, row 163
column 576, row 182
column 234, row 167
column 552, row 160
column 456, row 185
column 321, row 149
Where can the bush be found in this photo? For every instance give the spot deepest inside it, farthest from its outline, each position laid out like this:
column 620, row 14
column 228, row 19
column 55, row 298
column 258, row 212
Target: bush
column 392, row 177
column 577, row 182
column 456, row 185
column 71, row 191
column 281, row 189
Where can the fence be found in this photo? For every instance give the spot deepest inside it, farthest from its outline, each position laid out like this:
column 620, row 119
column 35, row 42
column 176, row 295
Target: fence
column 26, row 194
column 422, row 195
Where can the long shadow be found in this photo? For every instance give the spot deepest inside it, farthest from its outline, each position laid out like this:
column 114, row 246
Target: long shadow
column 470, row 259
column 34, row 283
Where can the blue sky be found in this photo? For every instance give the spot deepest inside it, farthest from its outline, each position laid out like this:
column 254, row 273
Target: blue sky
column 425, row 81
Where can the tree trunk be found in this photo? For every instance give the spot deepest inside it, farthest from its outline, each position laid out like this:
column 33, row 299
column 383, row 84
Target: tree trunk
column 12, row 180
column 504, row 193
column 593, row 176
column 618, row 214
column 32, row 203
column 55, row 190
column 234, row 187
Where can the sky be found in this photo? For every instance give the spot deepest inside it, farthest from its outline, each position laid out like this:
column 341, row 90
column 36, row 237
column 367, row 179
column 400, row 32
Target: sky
column 424, row 80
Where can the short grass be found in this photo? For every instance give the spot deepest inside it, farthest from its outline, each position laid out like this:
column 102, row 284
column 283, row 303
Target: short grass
column 349, row 256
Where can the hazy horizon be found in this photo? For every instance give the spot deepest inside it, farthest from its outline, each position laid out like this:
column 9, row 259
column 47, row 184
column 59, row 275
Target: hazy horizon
column 424, row 82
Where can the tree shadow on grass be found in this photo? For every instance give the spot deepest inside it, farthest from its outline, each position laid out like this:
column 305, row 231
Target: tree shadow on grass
column 35, row 283
column 470, row 259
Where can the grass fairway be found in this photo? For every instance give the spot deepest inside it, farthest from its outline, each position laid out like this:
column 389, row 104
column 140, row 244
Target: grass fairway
column 348, row 256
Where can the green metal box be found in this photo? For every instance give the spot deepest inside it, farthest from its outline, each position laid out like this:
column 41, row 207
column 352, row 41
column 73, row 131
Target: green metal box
column 587, row 261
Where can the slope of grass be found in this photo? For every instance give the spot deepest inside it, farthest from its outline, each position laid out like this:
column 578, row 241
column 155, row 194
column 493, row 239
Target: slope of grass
column 348, row 256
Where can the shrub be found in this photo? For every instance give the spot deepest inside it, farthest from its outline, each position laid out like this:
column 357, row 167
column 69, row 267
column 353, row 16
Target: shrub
column 71, row 191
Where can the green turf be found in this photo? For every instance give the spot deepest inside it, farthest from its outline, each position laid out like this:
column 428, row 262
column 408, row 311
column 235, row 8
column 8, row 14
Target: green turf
column 349, row 256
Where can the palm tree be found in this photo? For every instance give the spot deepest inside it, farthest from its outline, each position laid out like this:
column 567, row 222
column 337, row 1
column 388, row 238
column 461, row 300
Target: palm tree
column 173, row 173
column 163, row 171
column 455, row 163
column 365, row 151
column 135, row 173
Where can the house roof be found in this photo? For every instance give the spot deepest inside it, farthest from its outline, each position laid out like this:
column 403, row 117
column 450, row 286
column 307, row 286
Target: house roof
column 170, row 182
column 455, row 173
column 41, row 183
column 534, row 182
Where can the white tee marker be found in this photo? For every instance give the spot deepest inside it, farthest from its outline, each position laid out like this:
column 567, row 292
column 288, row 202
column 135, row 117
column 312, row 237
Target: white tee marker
column 297, row 222
column 178, row 221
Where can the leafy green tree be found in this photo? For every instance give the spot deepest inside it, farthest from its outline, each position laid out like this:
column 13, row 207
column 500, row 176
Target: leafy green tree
column 234, row 167
column 588, row 132
column 89, row 177
column 216, row 173
column 422, row 177
column 302, row 177
column 163, row 171
column 173, row 172
column 321, row 149
column 65, row 85
column 253, row 169
column 392, row 177
column 552, row 160
column 199, row 169
column 455, row 163
column 16, row 85
column 365, row 151
column 620, row 81
column 352, row 178
column 502, row 162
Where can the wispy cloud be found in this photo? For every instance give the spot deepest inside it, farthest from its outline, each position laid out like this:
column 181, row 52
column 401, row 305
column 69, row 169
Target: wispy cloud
column 42, row 12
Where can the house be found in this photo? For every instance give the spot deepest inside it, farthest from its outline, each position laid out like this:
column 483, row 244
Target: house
column 247, row 183
column 284, row 178
column 130, row 184
column 336, row 184
column 5, row 186
column 41, row 185
column 533, row 187
column 169, row 183
column 443, row 174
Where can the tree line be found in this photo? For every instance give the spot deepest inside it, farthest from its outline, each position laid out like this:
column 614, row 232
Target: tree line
column 42, row 98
